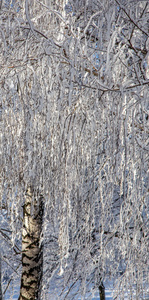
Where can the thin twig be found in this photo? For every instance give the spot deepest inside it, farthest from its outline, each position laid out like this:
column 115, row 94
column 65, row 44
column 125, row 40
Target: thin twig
column 28, row 19
column 136, row 25
column 10, row 280
column 90, row 20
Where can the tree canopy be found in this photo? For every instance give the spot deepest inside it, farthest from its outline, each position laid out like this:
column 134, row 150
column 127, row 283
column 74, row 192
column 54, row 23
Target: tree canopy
column 74, row 108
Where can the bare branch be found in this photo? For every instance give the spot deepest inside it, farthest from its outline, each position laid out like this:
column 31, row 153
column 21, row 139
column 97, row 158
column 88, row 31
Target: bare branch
column 135, row 24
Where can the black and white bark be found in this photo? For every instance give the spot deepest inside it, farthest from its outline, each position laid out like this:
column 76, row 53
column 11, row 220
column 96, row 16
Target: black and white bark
column 1, row 294
column 32, row 251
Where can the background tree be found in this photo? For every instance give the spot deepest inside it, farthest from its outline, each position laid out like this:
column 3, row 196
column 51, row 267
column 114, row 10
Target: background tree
column 74, row 92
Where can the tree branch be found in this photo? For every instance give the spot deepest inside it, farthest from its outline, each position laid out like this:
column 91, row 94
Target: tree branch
column 136, row 25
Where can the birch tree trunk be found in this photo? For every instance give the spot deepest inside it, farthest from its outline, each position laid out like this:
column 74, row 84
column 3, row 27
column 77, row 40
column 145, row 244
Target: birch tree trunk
column 32, row 254
column 102, row 291
column 1, row 294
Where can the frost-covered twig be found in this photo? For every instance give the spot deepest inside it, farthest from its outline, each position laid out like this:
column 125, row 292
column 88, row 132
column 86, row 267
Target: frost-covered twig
column 90, row 20
column 29, row 20
column 135, row 24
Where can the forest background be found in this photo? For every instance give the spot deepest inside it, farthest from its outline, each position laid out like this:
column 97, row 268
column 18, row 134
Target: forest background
column 74, row 92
